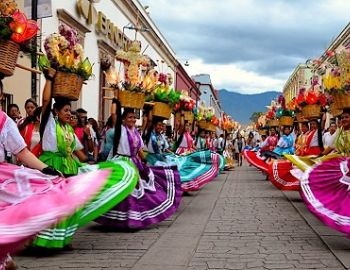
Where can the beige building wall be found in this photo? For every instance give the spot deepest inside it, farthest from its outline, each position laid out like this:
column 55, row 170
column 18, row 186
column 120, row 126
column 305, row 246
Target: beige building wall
column 300, row 78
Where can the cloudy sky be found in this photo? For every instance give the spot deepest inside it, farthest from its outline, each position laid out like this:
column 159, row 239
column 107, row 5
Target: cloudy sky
column 248, row 46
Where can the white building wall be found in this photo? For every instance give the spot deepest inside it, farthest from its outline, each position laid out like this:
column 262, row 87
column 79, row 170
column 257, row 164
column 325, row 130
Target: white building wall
column 90, row 94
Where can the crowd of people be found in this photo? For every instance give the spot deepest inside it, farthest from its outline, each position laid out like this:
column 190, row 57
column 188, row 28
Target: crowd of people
column 311, row 159
column 140, row 172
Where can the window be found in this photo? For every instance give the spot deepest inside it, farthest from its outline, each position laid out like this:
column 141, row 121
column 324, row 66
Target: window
column 6, row 100
column 106, row 54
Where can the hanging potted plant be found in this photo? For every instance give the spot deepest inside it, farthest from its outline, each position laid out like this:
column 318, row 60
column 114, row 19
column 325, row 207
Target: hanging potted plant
column 15, row 32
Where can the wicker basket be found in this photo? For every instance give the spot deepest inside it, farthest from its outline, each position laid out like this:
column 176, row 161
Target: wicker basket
column 312, row 111
column 343, row 59
column 341, row 100
column 161, row 109
column 203, row 124
column 262, row 131
column 273, row 123
column 286, row 121
column 67, row 85
column 8, row 57
column 134, row 100
column 211, row 127
column 188, row 115
column 334, row 110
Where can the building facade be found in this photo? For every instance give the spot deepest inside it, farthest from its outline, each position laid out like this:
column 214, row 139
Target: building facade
column 104, row 27
column 300, row 78
column 208, row 94
column 302, row 75
column 184, row 82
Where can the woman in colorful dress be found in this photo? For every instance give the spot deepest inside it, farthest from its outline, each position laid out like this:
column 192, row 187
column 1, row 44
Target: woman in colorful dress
column 185, row 142
column 301, row 138
column 313, row 144
column 30, row 131
column 325, row 186
column 30, row 105
column 158, row 193
column 270, row 142
column 61, row 150
column 285, row 144
column 278, row 167
column 33, row 199
column 256, row 158
column 196, row 168
column 201, row 140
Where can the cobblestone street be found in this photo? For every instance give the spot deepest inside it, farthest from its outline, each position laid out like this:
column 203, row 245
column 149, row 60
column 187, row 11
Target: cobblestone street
column 239, row 221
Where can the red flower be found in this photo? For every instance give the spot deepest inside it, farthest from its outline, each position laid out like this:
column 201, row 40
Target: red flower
column 322, row 99
column 300, row 99
column 22, row 28
column 311, row 97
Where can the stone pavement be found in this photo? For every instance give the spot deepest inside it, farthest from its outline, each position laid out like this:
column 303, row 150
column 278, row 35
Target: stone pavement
column 238, row 221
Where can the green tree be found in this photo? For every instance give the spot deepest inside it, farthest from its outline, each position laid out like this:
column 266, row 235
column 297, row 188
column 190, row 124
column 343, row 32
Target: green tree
column 255, row 116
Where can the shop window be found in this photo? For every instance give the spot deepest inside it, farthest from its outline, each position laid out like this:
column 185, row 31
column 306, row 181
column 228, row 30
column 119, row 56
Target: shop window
column 107, row 60
column 6, row 100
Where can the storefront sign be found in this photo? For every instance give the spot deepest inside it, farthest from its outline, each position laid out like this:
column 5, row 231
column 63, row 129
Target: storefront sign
column 102, row 24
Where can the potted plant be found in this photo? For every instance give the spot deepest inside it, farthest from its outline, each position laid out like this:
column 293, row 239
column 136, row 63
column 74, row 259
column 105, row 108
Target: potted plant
column 15, row 32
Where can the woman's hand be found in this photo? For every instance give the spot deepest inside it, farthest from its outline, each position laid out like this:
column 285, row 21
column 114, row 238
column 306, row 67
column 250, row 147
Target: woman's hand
column 51, row 171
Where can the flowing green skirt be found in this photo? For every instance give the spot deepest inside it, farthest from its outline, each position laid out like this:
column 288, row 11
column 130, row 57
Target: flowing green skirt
column 120, row 183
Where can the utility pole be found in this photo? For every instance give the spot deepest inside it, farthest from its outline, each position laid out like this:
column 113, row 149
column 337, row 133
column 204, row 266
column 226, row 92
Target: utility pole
column 33, row 54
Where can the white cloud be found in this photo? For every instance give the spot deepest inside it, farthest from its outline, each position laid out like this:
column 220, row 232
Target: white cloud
column 232, row 77
column 250, row 45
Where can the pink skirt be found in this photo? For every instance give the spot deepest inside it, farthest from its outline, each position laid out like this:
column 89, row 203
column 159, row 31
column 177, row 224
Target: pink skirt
column 31, row 201
column 326, row 192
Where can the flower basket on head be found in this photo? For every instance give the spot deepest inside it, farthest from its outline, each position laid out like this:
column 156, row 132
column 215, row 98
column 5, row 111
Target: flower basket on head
column 300, row 117
column 9, row 51
column 66, row 55
column 188, row 116
column 341, row 100
column 311, row 111
column 273, row 123
column 16, row 32
column 211, row 127
column 284, row 114
column 286, row 121
column 203, row 124
column 262, row 132
column 67, row 85
column 334, row 110
column 134, row 100
column 161, row 109
column 343, row 59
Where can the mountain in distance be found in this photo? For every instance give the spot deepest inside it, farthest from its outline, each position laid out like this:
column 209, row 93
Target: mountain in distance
column 241, row 106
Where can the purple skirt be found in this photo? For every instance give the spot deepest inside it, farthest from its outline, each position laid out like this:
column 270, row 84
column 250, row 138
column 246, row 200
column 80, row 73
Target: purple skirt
column 326, row 192
column 154, row 200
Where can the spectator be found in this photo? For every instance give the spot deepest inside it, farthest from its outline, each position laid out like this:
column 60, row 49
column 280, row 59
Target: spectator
column 239, row 144
column 85, row 133
column 13, row 112
column 329, row 136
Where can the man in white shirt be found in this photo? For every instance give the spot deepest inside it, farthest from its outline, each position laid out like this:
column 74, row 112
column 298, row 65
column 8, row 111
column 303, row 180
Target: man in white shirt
column 329, row 137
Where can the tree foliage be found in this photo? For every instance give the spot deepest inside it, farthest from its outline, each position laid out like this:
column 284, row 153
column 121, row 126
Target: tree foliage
column 255, row 116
